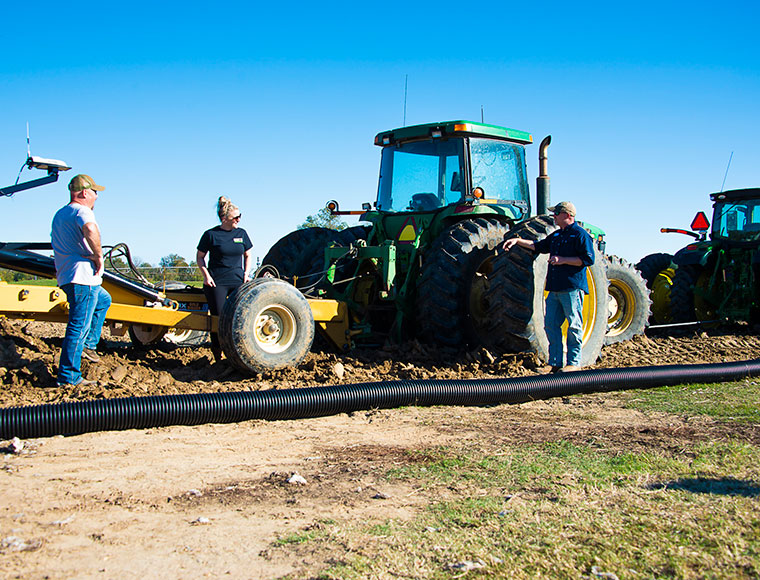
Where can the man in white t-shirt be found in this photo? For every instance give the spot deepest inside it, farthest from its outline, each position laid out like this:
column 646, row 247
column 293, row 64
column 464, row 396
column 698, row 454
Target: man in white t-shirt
column 79, row 270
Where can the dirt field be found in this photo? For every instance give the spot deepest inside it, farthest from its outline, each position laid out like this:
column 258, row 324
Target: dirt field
column 211, row 500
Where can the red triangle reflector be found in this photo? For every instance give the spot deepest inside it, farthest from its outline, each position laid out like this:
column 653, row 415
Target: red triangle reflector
column 700, row 222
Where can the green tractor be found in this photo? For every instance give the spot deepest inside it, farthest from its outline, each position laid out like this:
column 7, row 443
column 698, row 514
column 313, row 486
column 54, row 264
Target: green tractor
column 428, row 265
column 716, row 279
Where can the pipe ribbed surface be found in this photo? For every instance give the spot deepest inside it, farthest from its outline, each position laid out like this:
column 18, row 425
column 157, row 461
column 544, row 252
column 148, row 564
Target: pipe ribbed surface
column 159, row 411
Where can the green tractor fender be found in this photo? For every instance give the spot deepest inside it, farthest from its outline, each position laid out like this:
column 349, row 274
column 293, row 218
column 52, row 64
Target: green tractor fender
column 697, row 254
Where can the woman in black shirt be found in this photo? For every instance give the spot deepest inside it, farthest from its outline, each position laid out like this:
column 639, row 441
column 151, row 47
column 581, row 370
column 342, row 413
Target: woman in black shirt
column 230, row 253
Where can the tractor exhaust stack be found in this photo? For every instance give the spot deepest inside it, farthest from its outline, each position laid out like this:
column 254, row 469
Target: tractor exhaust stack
column 543, row 187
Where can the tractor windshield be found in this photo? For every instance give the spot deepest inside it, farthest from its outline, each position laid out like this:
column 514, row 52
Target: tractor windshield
column 738, row 221
column 499, row 169
column 421, row 176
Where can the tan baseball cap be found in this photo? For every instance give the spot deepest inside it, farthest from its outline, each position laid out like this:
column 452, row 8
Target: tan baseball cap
column 81, row 182
column 563, row 206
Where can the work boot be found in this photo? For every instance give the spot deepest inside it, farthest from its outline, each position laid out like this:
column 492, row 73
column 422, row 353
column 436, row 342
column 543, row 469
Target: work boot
column 91, row 355
column 548, row 369
column 569, row 369
column 82, row 383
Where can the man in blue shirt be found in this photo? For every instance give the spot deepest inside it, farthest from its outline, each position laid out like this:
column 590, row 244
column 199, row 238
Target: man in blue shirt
column 570, row 250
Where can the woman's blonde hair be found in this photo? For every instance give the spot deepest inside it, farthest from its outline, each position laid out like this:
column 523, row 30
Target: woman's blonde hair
column 224, row 207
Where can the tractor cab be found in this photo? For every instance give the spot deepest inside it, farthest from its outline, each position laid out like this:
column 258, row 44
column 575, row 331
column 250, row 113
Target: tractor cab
column 736, row 215
column 429, row 167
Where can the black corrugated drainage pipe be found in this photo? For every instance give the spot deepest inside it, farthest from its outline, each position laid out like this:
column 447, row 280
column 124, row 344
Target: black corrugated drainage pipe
column 159, row 411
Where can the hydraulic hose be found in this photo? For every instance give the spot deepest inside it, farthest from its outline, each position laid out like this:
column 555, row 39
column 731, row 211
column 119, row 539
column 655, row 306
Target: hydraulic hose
column 195, row 409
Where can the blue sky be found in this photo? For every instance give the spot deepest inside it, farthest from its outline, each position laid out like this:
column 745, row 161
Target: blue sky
column 173, row 104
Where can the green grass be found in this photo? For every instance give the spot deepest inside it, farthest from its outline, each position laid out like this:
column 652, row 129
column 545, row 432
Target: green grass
column 568, row 511
column 735, row 402
column 37, row 282
column 559, row 510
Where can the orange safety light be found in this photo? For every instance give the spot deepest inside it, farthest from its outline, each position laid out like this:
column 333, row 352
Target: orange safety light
column 700, row 223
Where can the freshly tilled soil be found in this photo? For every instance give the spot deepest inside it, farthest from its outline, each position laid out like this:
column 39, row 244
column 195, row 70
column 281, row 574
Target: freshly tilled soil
column 28, row 352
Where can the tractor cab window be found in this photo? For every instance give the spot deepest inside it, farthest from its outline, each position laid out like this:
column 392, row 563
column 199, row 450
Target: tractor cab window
column 737, row 221
column 421, row 176
column 499, row 168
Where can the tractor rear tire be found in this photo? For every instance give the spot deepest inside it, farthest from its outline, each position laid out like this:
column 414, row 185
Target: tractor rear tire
column 299, row 256
column 686, row 304
column 267, row 325
column 628, row 301
column 453, row 283
column 516, row 298
column 653, row 264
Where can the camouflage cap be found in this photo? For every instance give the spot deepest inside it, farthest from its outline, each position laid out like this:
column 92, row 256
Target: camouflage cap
column 563, row 206
column 81, row 182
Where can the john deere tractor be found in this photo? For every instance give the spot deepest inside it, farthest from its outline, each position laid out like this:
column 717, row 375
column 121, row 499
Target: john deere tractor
column 426, row 262
column 715, row 279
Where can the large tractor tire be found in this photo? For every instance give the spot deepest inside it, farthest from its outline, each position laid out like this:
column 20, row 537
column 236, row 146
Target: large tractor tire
column 455, row 276
column 267, row 325
column 653, row 264
column 687, row 301
column 299, row 256
column 628, row 301
column 516, row 298
column 660, row 295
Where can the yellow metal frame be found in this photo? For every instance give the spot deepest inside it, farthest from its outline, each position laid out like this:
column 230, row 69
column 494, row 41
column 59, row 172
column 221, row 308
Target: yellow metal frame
column 49, row 303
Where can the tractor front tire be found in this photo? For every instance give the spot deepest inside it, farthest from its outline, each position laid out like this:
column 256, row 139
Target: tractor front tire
column 653, row 264
column 629, row 303
column 268, row 325
column 454, row 279
column 516, row 298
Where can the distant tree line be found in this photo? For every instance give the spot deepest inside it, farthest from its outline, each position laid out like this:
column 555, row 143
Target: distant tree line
column 173, row 267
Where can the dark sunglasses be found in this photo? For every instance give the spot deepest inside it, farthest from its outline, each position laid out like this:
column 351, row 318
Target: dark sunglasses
column 237, row 217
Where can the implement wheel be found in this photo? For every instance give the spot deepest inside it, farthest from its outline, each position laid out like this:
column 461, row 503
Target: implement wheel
column 516, row 298
column 268, row 325
column 455, row 277
column 628, row 303
column 146, row 334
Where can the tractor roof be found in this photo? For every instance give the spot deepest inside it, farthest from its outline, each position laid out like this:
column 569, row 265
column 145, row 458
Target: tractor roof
column 736, row 194
column 451, row 129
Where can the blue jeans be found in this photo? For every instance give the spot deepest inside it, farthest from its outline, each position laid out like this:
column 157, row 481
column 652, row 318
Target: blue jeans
column 87, row 312
column 561, row 306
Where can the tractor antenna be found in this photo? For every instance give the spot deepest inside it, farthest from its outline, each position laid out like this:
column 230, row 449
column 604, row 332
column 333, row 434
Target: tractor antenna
column 406, row 85
column 482, row 118
column 726, row 174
